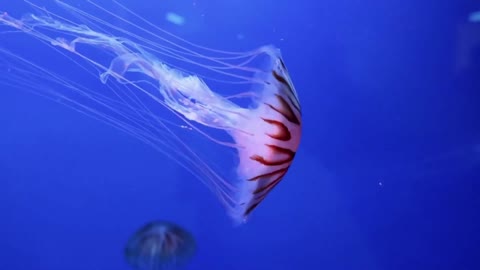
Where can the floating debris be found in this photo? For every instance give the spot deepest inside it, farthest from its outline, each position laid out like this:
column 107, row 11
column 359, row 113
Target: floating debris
column 175, row 18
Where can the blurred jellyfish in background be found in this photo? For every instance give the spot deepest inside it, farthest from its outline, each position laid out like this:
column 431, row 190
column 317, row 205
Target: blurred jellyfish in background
column 468, row 42
column 458, row 159
column 463, row 157
column 160, row 245
column 474, row 17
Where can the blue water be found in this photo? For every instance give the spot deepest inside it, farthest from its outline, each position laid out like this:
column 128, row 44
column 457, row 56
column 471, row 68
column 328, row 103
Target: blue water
column 386, row 176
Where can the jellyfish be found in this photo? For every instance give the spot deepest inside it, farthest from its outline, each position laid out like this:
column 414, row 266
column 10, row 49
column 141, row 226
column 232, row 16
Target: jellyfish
column 160, row 245
column 252, row 118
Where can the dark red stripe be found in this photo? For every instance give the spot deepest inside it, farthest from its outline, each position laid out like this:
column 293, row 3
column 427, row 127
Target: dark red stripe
column 265, row 175
column 283, row 134
column 277, row 150
column 285, row 110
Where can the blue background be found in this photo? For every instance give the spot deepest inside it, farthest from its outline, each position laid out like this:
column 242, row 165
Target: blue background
column 386, row 177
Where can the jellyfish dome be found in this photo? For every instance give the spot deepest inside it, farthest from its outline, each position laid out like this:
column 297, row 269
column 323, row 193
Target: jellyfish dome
column 165, row 90
column 160, row 245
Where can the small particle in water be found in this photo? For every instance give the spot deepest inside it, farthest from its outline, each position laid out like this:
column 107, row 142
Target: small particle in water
column 175, row 18
column 380, row 183
column 240, row 36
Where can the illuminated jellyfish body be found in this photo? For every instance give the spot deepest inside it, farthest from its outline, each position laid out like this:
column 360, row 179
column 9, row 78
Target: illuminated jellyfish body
column 160, row 245
column 262, row 121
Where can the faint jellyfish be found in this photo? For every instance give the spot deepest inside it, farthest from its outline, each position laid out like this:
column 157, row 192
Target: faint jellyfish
column 160, row 245
column 476, row 149
column 459, row 158
column 452, row 161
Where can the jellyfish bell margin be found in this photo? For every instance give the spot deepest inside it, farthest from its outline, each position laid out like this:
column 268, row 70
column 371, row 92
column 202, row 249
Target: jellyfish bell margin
column 265, row 133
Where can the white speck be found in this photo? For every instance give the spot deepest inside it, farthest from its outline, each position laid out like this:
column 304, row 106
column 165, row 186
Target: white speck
column 175, row 18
